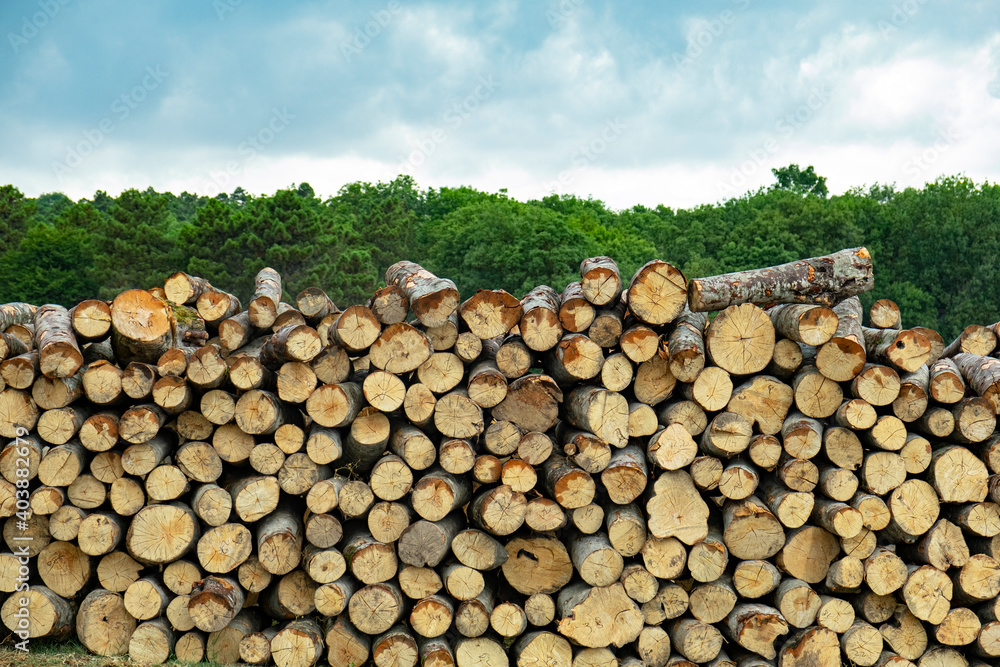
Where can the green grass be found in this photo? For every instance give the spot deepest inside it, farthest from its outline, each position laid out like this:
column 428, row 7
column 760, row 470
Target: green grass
column 66, row 653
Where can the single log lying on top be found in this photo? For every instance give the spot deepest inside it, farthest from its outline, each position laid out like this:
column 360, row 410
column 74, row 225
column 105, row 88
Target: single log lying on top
column 432, row 299
column 825, row 281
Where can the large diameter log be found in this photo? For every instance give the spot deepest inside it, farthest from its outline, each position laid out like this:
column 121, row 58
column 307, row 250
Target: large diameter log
column 37, row 612
column 215, row 602
column 298, row 644
column 598, row 617
column 142, row 327
column 740, row 339
column 400, row 348
column 676, row 509
column 825, row 281
column 756, row 627
column 432, row 299
column 102, row 623
column 537, row 565
column 160, row 534
column 811, row 647
column 491, row 313
column 152, row 642
column 532, row 403
column 599, row 411
column 59, row 354
column 904, row 350
column 750, row 530
column 657, row 293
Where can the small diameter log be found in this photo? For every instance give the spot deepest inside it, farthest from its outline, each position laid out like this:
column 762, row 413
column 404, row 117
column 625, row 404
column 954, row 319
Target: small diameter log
column 755, row 578
column 263, row 307
column 861, row 644
column 844, row 355
column 355, row 330
column 804, row 323
column 657, row 293
column 600, row 280
column 59, row 354
column 764, row 401
column 825, row 281
column 389, row 305
column 912, row 401
column 816, row 395
column 741, row 340
column 599, row 411
column 432, row 299
column 812, row 647
column 982, row 375
column 686, row 345
column 711, row 389
column 21, row 371
column 575, row 312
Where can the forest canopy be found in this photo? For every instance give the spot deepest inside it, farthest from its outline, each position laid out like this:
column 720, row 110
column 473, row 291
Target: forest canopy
column 934, row 248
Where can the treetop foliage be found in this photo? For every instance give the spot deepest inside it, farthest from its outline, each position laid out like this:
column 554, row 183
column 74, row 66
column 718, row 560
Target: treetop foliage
column 934, row 248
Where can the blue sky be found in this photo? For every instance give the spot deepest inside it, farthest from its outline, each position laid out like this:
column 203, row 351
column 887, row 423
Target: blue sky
column 678, row 103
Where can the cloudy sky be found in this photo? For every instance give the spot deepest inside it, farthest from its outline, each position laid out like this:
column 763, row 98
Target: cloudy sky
column 679, row 103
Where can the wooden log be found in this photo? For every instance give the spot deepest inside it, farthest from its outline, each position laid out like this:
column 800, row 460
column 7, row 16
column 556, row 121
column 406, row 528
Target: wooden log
column 432, row 299
column 657, row 293
column 142, row 327
column 103, row 625
column 298, row 644
column 756, row 627
column 815, row 647
column 876, row 384
column 400, row 348
column 600, row 280
column 905, row 350
column 804, row 323
column 279, row 541
column 686, row 345
column 763, row 400
column 861, row 644
column 598, row 617
column 946, row 383
column 815, row 394
column 741, row 340
column 676, row 509
column 389, row 304
column 982, row 375
column 754, row 579
column 491, row 313
column 376, row 607
column 912, row 401
column 575, row 312
column 844, row 355
column 825, row 281
column 59, row 354
column 974, row 339
column 640, row 342
column 21, row 371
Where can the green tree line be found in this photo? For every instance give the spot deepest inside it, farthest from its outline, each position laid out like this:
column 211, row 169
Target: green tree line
column 934, row 248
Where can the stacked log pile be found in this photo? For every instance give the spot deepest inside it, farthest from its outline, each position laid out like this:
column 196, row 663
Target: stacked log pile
column 738, row 470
